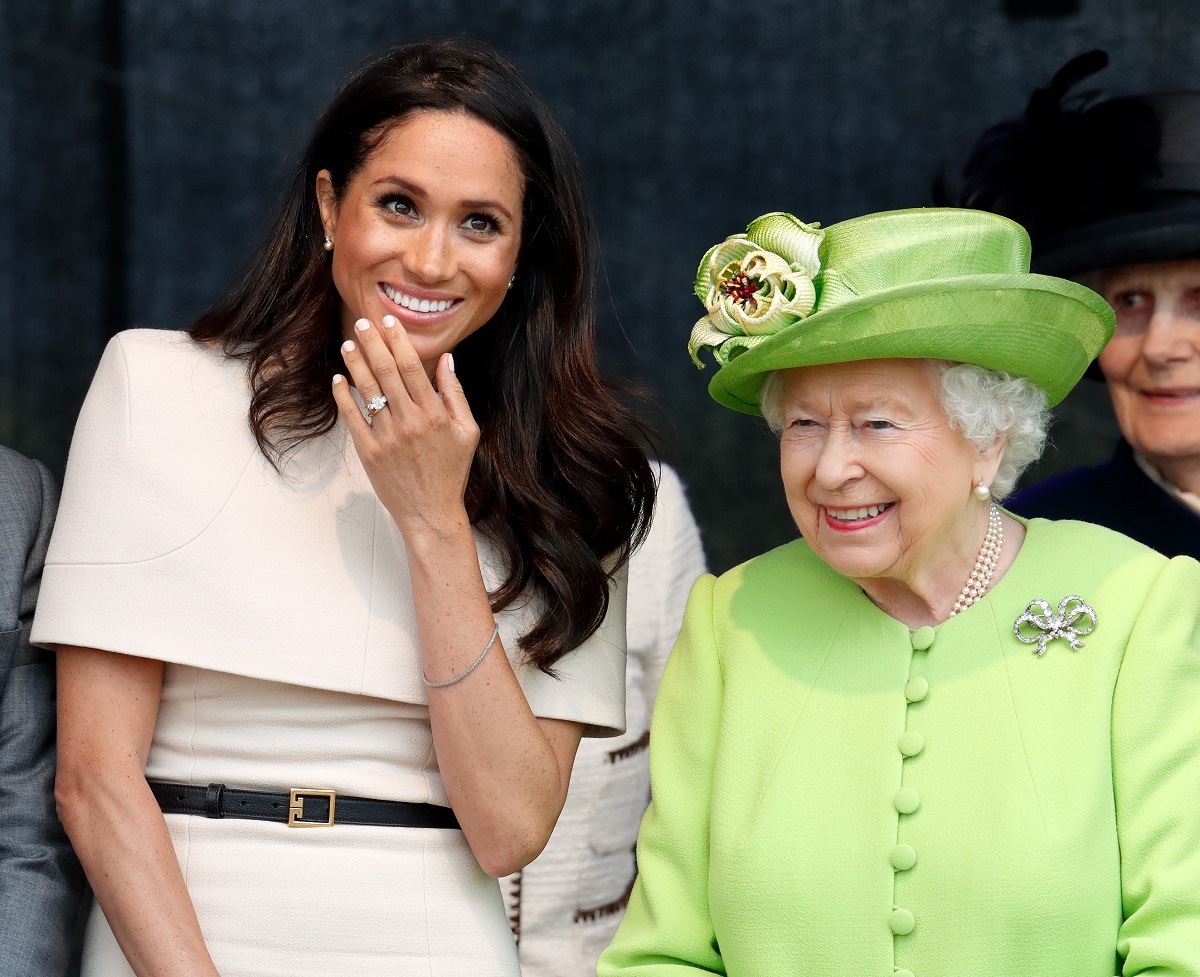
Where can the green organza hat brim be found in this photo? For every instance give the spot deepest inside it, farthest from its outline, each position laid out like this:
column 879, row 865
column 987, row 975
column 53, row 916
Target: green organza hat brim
column 1044, row 329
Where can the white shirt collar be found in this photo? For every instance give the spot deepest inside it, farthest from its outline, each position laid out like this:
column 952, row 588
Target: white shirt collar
column 1190, row 499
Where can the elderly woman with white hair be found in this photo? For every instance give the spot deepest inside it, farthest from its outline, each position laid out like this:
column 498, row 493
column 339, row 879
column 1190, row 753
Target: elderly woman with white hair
column 1109, row 189
column 929, row 737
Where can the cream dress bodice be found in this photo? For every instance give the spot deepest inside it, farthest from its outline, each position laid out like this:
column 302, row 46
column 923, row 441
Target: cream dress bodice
column 281, row 606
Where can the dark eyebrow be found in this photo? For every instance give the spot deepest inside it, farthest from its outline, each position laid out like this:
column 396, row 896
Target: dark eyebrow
column 486, row 205
column 411, row 188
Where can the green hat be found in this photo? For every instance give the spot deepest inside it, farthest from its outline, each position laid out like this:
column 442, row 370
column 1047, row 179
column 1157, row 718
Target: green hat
column 937, row 282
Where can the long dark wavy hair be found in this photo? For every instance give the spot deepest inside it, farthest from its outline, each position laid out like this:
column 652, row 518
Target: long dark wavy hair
column 559, row 482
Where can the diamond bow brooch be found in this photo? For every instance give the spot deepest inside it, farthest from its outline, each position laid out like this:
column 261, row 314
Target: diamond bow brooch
column 1074, row 619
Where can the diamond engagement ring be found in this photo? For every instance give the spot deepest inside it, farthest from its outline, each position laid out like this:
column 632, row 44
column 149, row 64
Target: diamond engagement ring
column 375, row 405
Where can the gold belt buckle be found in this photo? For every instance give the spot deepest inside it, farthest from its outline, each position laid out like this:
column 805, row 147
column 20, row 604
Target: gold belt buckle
column 296, row 807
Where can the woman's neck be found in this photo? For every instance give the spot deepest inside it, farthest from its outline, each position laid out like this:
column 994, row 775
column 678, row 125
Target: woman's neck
column 928, row 597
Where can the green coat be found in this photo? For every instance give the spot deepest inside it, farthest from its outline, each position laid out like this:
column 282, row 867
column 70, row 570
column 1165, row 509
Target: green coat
column 1051, row 823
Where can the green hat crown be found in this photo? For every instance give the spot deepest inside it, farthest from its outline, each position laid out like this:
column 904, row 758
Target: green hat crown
column 880, row 252
column 939, row 283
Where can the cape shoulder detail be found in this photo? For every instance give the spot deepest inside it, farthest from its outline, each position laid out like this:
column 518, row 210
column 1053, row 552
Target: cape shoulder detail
column 160, row 443
column 178, row 540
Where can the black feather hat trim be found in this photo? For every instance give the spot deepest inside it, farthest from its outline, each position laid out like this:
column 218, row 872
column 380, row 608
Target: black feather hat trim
column 1088, row 176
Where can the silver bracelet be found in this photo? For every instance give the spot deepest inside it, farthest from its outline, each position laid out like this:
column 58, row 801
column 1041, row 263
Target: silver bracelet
column 470, row 668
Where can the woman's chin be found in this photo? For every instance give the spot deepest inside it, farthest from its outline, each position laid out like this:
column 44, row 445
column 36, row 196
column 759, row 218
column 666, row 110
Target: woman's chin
column 857, row 566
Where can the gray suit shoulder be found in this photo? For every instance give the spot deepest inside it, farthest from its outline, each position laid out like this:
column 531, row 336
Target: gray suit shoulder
column 24, row 479
column 28, row 500
column 40, row 878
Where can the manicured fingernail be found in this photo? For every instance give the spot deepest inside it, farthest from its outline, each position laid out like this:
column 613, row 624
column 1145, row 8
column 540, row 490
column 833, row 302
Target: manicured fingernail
column 450, row 361
column 362, row 325
column 389, row 321
column 338, row 378
column 348, row 346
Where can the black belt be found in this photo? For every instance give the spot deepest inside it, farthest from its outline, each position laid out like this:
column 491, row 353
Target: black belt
column 299, row 808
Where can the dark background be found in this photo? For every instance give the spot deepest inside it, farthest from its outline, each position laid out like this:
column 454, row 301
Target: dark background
column 143, row 143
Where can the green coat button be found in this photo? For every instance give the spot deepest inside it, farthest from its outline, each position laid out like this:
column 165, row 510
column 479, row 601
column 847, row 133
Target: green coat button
column 907, row 800
column 903, row 857
column 902, row 922
column 916, row 689
column 911, row 742
column 922, row 640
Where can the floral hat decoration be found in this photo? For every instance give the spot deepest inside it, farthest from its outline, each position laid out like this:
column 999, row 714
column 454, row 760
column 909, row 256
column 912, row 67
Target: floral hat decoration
column 938, row 283
column 756, row 283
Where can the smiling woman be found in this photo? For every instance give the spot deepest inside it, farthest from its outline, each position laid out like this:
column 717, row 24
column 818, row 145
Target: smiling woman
column 887, row 423
column 1152, row 363
column 858, row 443
column 881, row 748
column 349, row 555
column 1117, row 205
column 428, row 230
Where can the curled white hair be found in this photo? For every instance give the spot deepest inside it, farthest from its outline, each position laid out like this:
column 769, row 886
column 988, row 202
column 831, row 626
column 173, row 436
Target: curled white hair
column 982, row 405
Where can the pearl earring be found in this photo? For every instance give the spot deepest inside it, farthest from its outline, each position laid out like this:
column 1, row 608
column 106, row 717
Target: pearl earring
column 983, row 492
column 328, row 243
column 510, row 282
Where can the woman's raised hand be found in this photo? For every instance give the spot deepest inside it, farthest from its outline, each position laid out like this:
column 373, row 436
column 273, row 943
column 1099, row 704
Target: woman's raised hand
column 416, row 450
column 505, row 771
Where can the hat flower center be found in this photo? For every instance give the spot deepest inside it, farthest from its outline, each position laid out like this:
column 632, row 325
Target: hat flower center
column 741, row 287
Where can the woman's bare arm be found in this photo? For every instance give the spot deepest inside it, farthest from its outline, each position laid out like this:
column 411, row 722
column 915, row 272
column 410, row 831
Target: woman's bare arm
column 506, row 772
column 107, row 708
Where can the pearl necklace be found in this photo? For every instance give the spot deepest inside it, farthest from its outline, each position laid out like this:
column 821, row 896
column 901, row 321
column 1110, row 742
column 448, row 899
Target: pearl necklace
column 985, row 564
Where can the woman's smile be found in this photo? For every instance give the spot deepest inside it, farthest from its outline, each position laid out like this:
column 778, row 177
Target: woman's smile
column 414, row 306
column 1172, row 396
column 856, row 519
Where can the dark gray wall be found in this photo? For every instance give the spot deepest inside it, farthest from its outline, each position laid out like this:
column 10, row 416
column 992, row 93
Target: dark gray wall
column 142, row 145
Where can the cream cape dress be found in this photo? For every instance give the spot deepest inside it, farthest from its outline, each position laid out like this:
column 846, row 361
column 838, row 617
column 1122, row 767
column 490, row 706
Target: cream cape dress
column 282, row 608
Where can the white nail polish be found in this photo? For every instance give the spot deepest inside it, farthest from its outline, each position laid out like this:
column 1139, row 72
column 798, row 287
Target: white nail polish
column 450, row 361
column 348, row 346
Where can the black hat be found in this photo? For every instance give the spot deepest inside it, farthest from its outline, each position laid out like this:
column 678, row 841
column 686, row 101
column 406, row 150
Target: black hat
column 1098, row 182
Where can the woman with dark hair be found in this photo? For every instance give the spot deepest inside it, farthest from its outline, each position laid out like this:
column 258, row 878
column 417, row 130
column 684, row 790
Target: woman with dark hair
column 386, row 614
